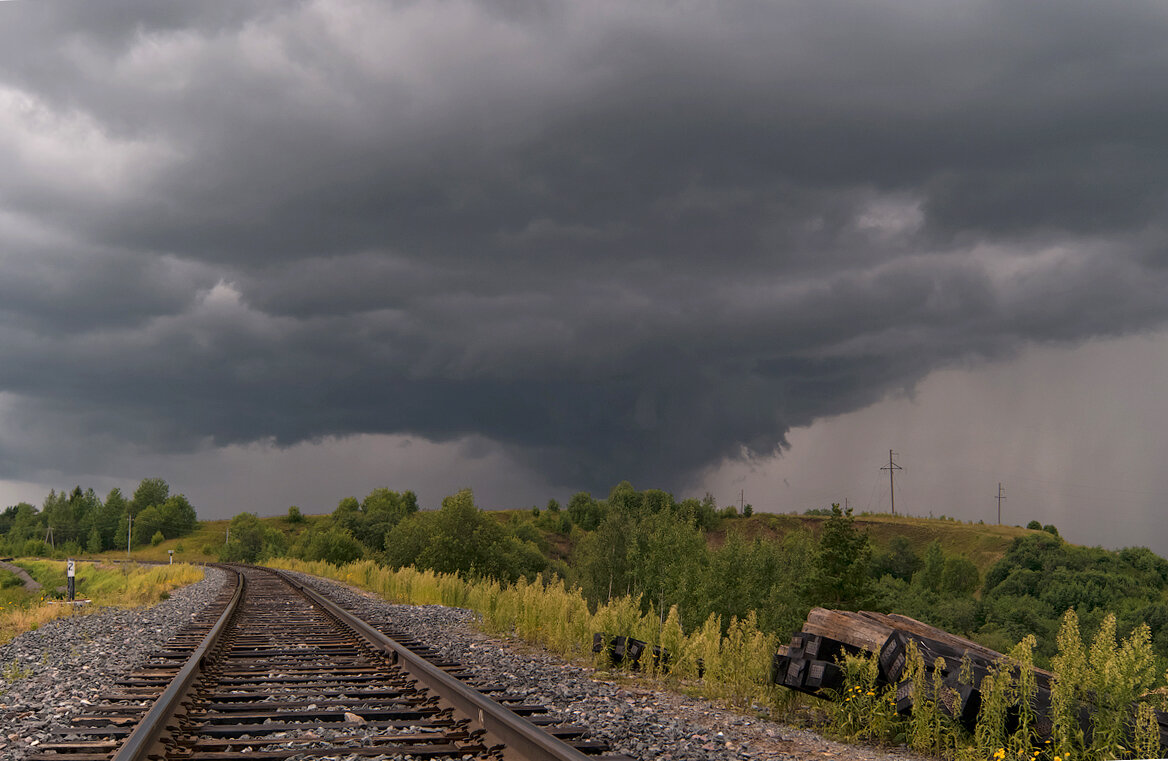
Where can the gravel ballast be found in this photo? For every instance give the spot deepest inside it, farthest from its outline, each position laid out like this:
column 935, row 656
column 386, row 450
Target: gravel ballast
column 55, row 672
column 639, row 721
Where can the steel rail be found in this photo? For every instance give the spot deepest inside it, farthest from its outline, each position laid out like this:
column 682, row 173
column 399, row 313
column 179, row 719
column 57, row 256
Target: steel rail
column 520, row 736
column 143, row 740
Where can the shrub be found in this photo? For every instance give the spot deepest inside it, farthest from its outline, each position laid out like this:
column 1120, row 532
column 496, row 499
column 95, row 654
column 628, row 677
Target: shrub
column 863, row 711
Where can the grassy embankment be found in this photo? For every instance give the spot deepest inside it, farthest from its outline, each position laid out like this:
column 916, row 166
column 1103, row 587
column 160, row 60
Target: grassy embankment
column 983, row 544
column 550, row 615
column 202, row 545
column 126, row 585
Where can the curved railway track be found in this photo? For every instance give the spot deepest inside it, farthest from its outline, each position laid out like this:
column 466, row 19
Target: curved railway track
column 273, row 670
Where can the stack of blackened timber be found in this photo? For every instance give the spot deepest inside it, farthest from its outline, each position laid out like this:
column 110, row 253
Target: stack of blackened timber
column 888, row 636
column 628, row 651
column 810, row 663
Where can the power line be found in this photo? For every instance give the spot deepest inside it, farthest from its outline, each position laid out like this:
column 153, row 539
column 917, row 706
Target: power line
column 891, row 467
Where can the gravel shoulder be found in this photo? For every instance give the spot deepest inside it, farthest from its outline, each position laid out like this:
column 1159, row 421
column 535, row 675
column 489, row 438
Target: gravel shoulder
column 55, row 672
column 636, row 718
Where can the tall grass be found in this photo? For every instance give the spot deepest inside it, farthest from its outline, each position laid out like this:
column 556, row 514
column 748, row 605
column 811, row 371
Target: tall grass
column 128, row 585
column 552, row 615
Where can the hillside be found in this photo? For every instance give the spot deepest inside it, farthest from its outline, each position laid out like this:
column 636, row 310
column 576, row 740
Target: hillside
column 982, row 544
column 202, row 545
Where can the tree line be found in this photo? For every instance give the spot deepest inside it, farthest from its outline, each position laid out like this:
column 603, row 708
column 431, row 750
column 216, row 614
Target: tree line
column 77, row 521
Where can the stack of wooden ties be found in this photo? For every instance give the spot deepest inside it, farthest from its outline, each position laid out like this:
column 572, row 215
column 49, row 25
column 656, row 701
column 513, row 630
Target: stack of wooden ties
column 810, row 664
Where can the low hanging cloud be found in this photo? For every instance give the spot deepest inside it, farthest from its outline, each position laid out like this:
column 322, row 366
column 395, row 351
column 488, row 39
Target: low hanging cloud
column 618, row 241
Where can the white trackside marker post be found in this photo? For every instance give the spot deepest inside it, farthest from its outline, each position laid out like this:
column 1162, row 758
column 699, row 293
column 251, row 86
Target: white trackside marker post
column 70, row 573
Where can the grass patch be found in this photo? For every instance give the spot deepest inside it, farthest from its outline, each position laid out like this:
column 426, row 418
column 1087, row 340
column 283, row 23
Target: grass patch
column 124, row 586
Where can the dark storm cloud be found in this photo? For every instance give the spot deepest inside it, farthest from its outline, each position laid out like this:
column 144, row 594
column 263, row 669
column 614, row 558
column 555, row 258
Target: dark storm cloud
column 624, row 241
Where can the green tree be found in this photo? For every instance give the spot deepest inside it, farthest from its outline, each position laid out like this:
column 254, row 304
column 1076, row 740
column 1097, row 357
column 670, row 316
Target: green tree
column 26, row 523
column 844, row 554
column 930, row 576
column 94, row 545
column 146, row 524
column 601, row 559
column 294, row 515
column 666, row 559
column 585, row 511
column 178, row 516
column 460, row 538
column 151, row 492
column 898, row 561
column 120, row 532
column 113, row 511
column 251, row 541
column 959, row 577
column 334, row 545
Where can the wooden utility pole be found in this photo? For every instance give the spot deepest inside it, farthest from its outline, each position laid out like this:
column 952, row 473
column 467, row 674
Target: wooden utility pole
column 892, row 467
column 1001, row 499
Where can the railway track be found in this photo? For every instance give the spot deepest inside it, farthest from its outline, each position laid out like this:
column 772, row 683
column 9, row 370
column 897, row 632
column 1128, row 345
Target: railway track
column 272, row 670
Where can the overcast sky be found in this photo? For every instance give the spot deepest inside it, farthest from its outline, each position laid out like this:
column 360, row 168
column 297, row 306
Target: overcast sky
column 284, row 252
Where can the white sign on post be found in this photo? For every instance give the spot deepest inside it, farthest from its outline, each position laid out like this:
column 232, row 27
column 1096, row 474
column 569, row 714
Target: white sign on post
column 69, row 573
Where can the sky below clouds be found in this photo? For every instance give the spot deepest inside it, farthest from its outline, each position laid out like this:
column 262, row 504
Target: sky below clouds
column 283, row 252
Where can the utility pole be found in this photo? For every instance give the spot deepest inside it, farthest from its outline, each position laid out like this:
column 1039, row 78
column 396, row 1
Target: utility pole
column 1001, row 499
column 741, row 500
column 891, row 467
column 129, row 532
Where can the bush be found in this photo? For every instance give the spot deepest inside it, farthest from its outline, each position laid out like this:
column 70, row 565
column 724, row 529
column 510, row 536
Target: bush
column 336, row 545
column 157, row 539
column 251, row 541
column 35, row 548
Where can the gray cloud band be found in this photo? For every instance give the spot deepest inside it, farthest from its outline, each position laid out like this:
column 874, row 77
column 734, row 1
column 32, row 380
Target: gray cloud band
column 622, row 241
